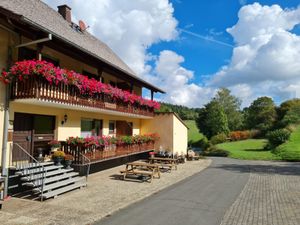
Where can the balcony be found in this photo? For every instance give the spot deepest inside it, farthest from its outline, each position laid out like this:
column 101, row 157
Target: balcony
column 40, row 91
column 40, row 82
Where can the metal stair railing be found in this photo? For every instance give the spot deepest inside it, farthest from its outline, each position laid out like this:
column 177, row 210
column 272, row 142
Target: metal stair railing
column 88, row 165
column 21, row 164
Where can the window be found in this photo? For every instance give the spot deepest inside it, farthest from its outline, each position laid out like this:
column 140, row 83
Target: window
column 91, row 127
column 26, row 54
column 90, row 75
column 112, row 126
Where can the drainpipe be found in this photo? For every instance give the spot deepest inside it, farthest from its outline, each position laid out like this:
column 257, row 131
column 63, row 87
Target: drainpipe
column 4, row 143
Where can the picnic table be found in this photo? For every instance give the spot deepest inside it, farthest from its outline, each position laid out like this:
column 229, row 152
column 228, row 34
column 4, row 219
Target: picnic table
column 141, row 169
column 164, row 162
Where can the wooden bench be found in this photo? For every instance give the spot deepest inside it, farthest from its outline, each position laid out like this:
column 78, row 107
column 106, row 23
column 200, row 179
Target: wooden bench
column 137, row 172
column 164, row 162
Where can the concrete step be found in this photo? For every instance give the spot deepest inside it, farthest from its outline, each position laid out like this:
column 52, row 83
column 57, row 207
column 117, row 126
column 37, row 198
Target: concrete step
column 60, row 184
column 38, row 170
column 36, row 183
column 56, row 192
column 47, row 174
column 32, row 165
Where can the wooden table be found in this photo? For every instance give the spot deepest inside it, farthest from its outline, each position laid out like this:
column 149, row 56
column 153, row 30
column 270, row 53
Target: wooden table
column 164, row 162
column 141, row 168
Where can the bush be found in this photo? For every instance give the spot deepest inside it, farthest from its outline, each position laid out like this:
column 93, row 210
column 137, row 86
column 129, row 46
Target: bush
column 214, row 151
column 219, row 138
column 278, row 137
column 203, row 143
column 243, row 135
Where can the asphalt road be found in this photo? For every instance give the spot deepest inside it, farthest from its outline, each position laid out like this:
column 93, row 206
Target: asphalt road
column 201, row 199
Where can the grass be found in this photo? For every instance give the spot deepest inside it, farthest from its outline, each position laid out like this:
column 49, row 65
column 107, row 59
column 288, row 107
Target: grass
column 251, row 149
column 290, row 150
column 193, row 133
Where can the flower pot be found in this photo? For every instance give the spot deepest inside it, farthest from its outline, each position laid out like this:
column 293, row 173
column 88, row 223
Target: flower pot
column 58, row 160
column 68, row 164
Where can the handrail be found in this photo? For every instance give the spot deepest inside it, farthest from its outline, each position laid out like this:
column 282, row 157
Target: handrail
column 38, row 163
column 89, row 165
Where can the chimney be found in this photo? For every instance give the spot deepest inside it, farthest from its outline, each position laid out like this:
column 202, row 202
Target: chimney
column 65, row 11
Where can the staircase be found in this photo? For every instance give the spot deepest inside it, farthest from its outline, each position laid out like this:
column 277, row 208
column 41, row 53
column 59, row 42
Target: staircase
column 48, row 180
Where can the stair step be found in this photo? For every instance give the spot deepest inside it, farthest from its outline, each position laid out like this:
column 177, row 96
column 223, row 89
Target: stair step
column 32, row 165
column 62, row 190
column 48, row 174
column 52, row 179
column 38, row 170
column 60, row 184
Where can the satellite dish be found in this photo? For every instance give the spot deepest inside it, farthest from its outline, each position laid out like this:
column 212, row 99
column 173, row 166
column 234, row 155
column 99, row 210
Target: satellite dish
column 82, row 25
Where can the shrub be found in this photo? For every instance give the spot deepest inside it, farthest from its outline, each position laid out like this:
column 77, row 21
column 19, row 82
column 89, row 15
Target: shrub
column 203, row 143
column 214, row 151
column 219, row 138
column 278, row 137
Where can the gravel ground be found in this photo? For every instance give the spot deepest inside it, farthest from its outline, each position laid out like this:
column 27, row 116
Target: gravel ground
column 104, row 195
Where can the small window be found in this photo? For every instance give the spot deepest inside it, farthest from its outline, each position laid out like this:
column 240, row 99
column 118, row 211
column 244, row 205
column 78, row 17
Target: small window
column 113, row 84
column 50, row 59
column 91, row 127
column 90, row 75
column 26, row 54
column 112, row 127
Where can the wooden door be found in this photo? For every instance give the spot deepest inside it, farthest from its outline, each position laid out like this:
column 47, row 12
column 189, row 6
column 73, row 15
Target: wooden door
column 22, row 135
column 123, row 128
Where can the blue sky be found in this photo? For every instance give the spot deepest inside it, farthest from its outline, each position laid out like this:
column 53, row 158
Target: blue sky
column 211, row 19
column 190, row 48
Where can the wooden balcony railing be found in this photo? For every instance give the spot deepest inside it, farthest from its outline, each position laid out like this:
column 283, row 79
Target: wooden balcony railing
column 108, row 152
column 41, row 89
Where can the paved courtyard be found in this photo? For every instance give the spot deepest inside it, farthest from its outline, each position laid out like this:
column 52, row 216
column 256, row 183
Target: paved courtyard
column 104, row 195
column 271, row 196
column 229, row 192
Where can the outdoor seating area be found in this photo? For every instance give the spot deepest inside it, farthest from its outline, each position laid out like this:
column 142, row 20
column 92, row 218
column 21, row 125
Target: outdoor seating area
column 148, row 169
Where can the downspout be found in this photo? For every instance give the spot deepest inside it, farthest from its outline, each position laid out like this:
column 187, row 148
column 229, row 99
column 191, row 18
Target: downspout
column 4, row 143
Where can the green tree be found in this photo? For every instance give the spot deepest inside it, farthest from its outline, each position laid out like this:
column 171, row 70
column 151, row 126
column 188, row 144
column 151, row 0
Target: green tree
column 231, row 106
column 261, row 114
column 286, row 106
column 212, row 119
column 292, row 116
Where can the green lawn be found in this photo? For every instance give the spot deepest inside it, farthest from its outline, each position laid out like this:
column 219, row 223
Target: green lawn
column 193, row 133
column 291, row 150
column 251, row 149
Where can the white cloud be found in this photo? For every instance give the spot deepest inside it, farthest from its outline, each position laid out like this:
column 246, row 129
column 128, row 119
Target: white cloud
column 176, row 80
column 267, row 53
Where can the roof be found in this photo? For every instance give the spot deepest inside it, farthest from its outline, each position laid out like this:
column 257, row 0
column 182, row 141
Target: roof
column 40, row 15
column 174, row 114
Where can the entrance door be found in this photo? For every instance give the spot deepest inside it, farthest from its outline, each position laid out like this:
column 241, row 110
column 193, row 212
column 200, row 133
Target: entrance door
column 123, row 128
column 22, row 135
column 30, row 132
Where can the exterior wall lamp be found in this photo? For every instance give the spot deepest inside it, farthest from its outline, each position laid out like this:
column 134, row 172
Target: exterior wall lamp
column 64, row 120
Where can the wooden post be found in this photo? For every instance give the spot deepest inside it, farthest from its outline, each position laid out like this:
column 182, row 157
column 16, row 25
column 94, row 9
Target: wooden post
column 152, row 93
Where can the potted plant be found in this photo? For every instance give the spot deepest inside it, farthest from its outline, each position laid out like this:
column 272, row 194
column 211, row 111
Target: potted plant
column 58, row 157
column 68, row 161
column 55, row 145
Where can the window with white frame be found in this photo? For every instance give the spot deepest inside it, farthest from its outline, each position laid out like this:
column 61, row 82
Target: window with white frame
column 91, row 127
column 112, row 127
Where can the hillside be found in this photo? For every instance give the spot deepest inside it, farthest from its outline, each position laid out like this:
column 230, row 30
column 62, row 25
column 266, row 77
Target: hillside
column 193, row 133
